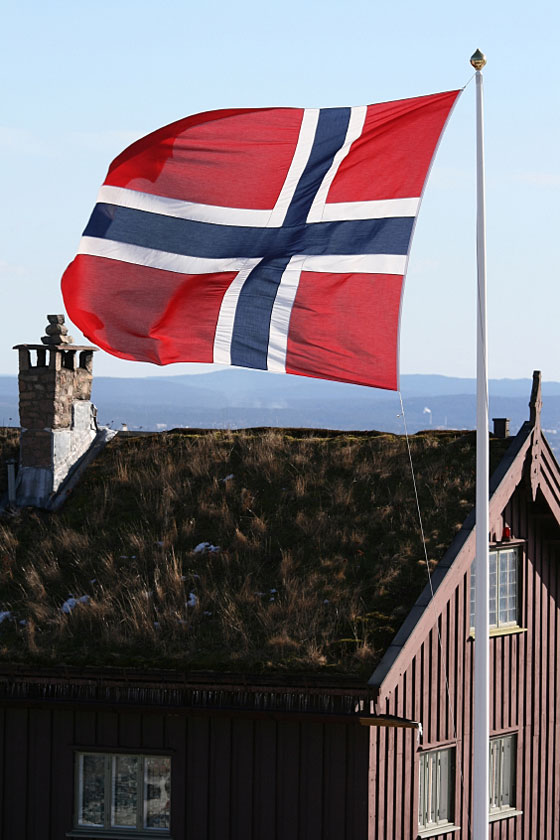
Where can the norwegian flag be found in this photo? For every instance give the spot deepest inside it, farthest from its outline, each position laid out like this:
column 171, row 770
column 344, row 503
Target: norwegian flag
column 272, row 238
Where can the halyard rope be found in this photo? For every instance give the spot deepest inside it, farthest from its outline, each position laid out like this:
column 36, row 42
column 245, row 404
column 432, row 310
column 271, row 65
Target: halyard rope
column 443, row 663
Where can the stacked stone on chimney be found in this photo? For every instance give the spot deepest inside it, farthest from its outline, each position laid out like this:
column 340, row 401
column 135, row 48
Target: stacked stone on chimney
column 57, row 418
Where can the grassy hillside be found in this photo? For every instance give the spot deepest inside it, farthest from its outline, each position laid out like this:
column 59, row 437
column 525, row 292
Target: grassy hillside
column 313, row 554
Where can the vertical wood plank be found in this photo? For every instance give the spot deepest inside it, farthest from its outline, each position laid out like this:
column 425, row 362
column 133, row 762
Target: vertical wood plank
column 450, row 717
column 39, row 769
column 198, row 774
column 152, row 731
column 266, row 755
column 556, row 699
column 415, row 684
column 409, row 755
column 514, row 687
column 398, row 780
column 534, row 774
column 507, row 700
column 382, row 783
column 549, row 777
column 409, row 751
column 312, row 793
column 496, row 668
column 242, row 776
column 546, row 694
column 107, row 729
column 442, row 659
column 85, row 728
column 373, row 810
column 62, row 773
column 335, row 782
column 468, row 654
column 434, row 693
column 220, row 779
column 3, row 758
column 287, row 780
column 15, row 780
column 425, row 688
column 401, row 792
column 175, row 740
column 415, row 785
column 356, row 783
column 130, row 730
column 526, row 666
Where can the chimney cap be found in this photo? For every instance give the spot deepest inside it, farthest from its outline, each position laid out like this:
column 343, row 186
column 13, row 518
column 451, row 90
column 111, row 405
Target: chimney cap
column 56, row 337
column 56, row 332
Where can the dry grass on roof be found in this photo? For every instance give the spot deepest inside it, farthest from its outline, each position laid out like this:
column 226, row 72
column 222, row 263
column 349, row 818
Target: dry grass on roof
column 313, row 554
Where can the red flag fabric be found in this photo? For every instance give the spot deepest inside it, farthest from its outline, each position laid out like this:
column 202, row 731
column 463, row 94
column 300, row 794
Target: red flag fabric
column 272, row 238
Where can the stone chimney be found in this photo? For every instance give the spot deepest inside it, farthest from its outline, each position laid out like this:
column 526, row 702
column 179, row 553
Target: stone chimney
column 57, row 418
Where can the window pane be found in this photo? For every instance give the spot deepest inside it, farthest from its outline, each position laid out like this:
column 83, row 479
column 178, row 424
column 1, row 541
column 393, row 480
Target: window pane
column 493, row 776
column 157, row 791
column 472, row 592
column 92, row 790
column 433, row 788
column 125, row 790
column 436, row 788
column 443, row 776
column 493, row 596
column 507, row 773
column 503, row 588
column 512, row 579
column 504, row 613
column 502, row 772
column 421, row 796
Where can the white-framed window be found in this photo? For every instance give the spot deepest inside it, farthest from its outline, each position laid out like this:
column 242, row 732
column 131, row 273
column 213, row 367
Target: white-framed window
column 503, row 751
column 436, row 793
column 118, row 791
column 504, row 587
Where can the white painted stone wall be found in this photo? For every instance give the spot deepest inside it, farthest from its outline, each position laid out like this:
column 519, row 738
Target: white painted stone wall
column 68, row 445
column 35, row 485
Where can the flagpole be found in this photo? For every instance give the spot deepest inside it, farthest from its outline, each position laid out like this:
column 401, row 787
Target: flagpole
column 481, row 720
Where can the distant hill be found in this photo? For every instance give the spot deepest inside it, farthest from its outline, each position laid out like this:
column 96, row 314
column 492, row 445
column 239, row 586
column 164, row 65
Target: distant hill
column 239, row 398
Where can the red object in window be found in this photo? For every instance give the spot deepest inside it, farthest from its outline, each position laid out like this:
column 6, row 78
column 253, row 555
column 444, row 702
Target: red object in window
column 506, row 535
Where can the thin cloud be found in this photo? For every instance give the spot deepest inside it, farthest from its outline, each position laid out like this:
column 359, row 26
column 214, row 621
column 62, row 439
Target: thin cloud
column 537, row 179
column 12, row 270
column 111, row 140
column 25, row 142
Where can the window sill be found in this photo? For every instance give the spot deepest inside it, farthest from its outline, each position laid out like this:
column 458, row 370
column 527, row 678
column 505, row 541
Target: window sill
column 115, row 833
column 438, row 829
column 501, row 631
column 505, row 814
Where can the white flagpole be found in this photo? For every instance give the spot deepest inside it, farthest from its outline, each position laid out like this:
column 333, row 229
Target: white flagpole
column 481, row 720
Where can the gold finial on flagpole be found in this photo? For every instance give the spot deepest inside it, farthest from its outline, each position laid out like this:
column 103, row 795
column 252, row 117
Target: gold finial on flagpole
column 478, row 60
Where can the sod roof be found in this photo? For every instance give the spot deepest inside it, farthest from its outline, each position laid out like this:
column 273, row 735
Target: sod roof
column 259, row 551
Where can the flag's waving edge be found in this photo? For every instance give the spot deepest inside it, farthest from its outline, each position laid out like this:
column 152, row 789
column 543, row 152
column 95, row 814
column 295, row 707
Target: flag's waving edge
column 269, row 238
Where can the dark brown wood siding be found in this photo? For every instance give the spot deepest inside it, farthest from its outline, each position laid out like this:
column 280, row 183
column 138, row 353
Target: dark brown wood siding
column 435, row 689
column 233, row 777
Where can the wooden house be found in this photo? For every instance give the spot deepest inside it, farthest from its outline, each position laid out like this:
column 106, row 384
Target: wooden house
column 306, row 713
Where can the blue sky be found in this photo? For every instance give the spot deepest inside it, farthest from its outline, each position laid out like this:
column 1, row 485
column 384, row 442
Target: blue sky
column 82, row 81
